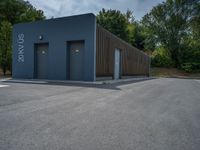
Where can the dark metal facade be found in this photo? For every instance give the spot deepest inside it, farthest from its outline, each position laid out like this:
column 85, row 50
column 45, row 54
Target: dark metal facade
column 97, row 53
column 58, row 33
column 133, row 61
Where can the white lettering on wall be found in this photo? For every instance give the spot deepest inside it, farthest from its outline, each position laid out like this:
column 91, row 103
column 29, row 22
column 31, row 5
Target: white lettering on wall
column 20, row 42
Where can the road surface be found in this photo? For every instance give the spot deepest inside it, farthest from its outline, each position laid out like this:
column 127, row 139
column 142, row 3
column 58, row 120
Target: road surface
column 157, row 114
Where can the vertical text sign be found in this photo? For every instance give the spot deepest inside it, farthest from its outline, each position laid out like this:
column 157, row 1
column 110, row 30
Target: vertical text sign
column 20, row 50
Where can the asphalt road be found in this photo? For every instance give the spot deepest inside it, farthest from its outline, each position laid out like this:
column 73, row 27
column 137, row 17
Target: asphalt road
column 158, row 114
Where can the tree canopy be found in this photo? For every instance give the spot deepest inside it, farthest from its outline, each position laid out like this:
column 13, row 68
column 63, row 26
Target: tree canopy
column 16, row 11
column 114, row 21
column 172, row 26
column 168, row 25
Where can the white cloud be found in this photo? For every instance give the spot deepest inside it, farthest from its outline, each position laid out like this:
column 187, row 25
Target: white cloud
column 60, row 8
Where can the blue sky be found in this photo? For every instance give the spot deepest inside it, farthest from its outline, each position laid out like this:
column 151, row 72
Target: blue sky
column 60, row 8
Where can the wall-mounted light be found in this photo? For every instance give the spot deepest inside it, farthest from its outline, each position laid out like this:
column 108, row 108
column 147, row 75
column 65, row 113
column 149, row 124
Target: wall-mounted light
column 40, row 37
column 77, row 50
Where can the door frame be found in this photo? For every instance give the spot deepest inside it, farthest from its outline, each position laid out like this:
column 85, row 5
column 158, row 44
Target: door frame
column 120, row 63
column 68, row 57
column 35, row 58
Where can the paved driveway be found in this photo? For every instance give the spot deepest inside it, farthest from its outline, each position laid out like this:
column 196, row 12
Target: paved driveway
column 158, row 114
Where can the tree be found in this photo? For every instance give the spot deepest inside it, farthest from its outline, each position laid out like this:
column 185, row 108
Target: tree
column 168, row 24
column 5, row 46
column 149, row 38
column 195, row 22
column 134, row 30
column 123, row 25
column 129, row 16
column 16, row 11
column 115, row 22
column 138, row 36
column 161, row 58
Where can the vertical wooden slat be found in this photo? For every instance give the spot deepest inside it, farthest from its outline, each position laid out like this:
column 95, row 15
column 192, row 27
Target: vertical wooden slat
column 134, row 62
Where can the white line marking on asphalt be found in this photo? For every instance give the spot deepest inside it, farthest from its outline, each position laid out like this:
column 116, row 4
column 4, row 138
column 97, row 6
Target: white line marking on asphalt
column 4, row 79
column 4, row 86
column 198, row 81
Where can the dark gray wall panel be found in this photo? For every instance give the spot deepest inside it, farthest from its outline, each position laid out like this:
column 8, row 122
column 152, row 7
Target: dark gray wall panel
column 56, row 32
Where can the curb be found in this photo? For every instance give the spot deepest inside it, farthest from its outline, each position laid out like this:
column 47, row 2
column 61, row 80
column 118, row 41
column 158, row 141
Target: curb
column 37, row 81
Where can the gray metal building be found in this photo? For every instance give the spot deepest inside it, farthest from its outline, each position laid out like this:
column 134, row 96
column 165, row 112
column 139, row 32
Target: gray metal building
column 65, row 49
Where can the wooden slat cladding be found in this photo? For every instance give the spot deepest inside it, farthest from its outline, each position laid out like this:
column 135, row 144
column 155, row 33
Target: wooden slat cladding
column 134, row 61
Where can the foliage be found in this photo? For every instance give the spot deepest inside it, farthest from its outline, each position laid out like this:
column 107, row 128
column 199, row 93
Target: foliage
column 136, row 36
column 195, row 20
column 168, row 24
column 161, row 58
column 191, row 50
column 16, row 11
column 5, row 46
column 191, row 67
column 122, row 25
column 115, row 22
column 191, row 55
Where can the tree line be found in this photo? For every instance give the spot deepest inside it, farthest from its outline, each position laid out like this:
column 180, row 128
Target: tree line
column 169, row 33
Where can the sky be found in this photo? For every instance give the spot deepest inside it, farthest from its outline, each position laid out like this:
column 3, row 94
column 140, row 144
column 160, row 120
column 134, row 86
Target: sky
column 61, row 8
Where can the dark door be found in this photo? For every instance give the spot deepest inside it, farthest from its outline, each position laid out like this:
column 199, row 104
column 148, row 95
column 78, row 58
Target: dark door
column 76, row 60
column 41, row 61
column 117, row 64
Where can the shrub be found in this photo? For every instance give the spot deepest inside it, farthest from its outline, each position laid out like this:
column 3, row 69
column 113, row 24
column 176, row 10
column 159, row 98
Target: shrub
column 161, row 58
column 191, row 67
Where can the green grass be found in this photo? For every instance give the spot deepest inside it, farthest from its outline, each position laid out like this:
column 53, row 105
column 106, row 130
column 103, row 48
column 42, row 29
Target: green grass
column 171, row 72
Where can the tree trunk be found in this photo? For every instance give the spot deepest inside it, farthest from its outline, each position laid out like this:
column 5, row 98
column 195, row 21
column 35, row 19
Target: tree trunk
column 4, row 71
